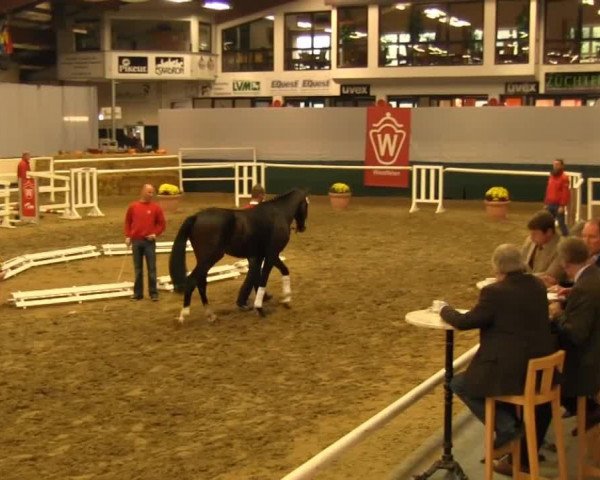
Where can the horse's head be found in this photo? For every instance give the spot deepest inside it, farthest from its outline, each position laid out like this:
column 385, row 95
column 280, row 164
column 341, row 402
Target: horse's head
column 301, row 213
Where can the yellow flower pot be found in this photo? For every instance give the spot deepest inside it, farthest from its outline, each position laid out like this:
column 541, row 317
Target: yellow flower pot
column 339, row 201
column 496, row 210
column 169, row 203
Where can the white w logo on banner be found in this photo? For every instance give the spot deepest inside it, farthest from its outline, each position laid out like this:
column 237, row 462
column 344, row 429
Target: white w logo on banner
column 387, row 138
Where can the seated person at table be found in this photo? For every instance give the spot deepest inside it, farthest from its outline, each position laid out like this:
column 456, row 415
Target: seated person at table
column 578, row 327
column 591, row 236
column 539, row 249
column 512, row 318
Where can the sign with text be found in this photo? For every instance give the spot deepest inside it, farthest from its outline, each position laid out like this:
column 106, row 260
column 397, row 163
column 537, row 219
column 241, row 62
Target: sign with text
column 573, row 82
column 169, row 66
column 28, row 200
column 132, row 65
column 521, row 88
column 387, row 144
column 81, row 66
column 362, row 90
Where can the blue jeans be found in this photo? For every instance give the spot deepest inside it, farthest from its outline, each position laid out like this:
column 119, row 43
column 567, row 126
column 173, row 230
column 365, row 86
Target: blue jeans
column 560, row 217
column 140, row 249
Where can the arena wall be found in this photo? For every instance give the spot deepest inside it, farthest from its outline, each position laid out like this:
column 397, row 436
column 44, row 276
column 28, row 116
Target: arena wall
column 45, row 119
column 515, row 138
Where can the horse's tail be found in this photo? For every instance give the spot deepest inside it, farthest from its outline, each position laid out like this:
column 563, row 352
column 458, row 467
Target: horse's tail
column 177, row 268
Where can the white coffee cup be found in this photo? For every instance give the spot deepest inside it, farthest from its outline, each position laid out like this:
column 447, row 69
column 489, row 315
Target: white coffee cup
column 437, row 306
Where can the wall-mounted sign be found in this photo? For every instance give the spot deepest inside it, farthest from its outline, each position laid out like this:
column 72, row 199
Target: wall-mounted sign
column 521, row 88
column 573, row 82
column 81, row 66
column 132, row 65
column 169, row 66
column 106, row 113
column 246, row 86
column 361, row 90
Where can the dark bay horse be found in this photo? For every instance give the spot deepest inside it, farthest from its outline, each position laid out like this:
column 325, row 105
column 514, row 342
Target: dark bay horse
column 260, row 233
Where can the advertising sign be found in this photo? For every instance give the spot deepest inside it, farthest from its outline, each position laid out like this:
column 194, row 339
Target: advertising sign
column 573, row 82
column 387, row 144
column 521, row 88
column 28, row 200
column 169, row 66
column 81, row 66
column 362, row 90
column 132, row 65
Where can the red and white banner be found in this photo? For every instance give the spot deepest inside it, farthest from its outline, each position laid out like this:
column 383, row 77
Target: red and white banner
column 387, row 144
column 28, row 201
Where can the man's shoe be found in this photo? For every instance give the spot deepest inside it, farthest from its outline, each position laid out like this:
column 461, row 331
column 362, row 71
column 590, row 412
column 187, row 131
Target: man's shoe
column 267, row 297
column 136, row 297
column 505, row 438
column 154, row 298
column 504, row 466
column 244, row 308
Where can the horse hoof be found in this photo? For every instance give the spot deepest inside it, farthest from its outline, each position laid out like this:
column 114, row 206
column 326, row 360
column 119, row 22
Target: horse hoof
column 212, row 318
column 260, row 311
column 287, row 305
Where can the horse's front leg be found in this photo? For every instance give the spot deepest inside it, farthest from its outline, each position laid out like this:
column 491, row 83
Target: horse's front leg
column 262, row 286
column 285, row 282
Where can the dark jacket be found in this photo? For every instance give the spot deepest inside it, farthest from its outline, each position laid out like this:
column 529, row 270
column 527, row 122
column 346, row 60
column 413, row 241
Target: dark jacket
column 579, row 334
column 512, row 316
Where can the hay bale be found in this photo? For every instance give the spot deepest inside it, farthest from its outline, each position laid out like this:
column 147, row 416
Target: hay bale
column 130, row 183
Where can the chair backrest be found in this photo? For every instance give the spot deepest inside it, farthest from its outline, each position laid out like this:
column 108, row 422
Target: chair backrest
column 540, row 374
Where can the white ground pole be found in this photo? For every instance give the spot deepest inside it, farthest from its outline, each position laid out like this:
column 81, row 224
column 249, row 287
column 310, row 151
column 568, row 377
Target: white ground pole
column 5, row 206
column 422, row 192
column 336, row 449
column 590, row 197
column 575, row 180
column 65, row 189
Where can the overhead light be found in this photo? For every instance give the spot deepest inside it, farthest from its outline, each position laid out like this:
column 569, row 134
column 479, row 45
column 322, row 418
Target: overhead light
column 270, row 17
column 179, row 1
column 303, row 24
column 217, row 4
column 134, row 1
column 82, row 31
column 402, row 6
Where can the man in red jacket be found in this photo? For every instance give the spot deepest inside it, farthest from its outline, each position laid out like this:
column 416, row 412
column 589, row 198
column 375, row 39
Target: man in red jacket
column 557, row 194
column 144, row 221
column 24, row 166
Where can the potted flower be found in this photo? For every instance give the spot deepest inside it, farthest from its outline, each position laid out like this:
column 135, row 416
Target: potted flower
column 496, row 202
column 339, row 195
column 168, row 197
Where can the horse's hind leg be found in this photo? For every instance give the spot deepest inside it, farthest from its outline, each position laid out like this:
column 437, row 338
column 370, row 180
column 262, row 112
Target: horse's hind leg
column 201, row 281
column 190, row 284
column 285, row 281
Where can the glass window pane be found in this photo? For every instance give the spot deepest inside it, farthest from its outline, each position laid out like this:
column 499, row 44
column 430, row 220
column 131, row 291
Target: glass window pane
column 248, row 47
column 204, row 37
column 437, row 33
column 153, row 35
column 512, row 31
column 352, row 33
column 87, row 35
column 308, row 41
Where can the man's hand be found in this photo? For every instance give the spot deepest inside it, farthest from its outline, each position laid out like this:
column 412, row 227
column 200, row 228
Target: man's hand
column 555, row 309
column 548, row 280
column 151, row 237
column 561, row 209
column 128, row 241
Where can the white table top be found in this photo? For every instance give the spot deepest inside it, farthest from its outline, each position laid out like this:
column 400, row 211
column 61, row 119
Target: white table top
column 428, row 319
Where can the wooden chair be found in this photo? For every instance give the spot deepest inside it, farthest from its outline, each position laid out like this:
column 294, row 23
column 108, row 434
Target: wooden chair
column 584, row 469
column 539, row 389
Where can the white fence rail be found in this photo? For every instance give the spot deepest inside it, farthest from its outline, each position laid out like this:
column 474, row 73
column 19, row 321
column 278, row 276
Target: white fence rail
column 336, row 449
column 591, row 202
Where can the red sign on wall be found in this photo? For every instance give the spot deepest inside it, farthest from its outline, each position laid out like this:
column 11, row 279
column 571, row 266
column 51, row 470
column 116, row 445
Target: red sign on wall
column 28, row 200
column 387, row 144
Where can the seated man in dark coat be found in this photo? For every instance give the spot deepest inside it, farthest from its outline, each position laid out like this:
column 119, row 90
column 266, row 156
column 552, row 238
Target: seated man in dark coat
column 512, row 318
column 578, row 327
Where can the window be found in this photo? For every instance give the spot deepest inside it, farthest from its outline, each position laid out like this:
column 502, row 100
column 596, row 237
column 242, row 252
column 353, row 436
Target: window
column 204, row 37
column 308, row 41
column 426, row 34
column 512, row 31
column 572, row 32
column 86, row 34
column 248, row 47
column 153, row 35
column 352, row 38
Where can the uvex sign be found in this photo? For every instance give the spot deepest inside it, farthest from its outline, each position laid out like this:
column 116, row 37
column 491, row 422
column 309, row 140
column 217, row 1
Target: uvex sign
column 355, row 90
column 521, row 88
